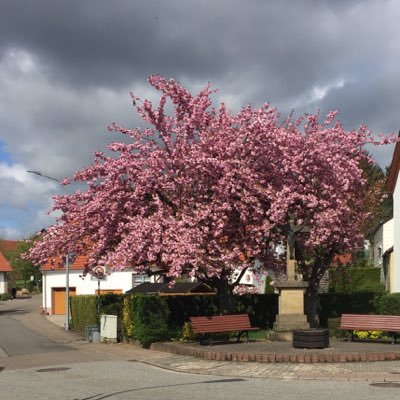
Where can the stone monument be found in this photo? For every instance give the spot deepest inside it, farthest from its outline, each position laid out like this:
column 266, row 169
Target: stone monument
column 291, row 291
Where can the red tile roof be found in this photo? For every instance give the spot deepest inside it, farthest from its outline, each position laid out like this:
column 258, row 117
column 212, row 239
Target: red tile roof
column 4, row 264
column 343, row 259
column 8, row 245
column 58, row 264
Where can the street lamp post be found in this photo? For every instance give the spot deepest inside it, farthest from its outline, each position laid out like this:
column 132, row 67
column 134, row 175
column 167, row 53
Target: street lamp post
column 67, row 292
column 67, row 260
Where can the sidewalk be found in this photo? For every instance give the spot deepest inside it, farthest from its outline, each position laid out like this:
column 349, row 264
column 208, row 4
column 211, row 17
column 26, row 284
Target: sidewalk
column 253, row 359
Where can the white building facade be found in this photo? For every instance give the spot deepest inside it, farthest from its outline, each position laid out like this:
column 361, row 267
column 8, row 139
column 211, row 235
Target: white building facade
column 54, row 286
column 382, row 253
column 393, row 186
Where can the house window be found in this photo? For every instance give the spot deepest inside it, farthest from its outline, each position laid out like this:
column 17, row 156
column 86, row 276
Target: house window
column 380, row 255
column 138, row 279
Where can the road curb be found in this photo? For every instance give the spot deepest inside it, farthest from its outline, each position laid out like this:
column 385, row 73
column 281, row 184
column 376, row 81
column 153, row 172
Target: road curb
column 245, row 356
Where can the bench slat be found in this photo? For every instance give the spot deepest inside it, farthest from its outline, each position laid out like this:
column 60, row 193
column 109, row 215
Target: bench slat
column 386, row 323
column 222, row 324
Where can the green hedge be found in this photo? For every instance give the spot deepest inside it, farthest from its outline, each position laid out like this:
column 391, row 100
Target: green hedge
column 353, row 280
column 135, row 311
column 83, row 311
column 388, row 304
column 150, row 319
column 183, row 307
column 333, row 305
column 84, row 308
column 5, row 296
column 262, row 308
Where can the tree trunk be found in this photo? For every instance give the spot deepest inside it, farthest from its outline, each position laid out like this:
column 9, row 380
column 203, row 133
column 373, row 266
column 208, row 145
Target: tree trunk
column 312, row 304
column 226, row 299
column 313, row 273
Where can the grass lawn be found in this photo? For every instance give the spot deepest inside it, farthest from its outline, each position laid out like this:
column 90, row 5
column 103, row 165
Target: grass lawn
column 258, row 335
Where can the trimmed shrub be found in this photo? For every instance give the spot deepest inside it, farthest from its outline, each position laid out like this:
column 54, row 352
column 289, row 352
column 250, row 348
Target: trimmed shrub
column 111, row 304
column 150, row 319
column 183, row 307
column 5, row 296
column 388, row 304
column 127, row 324
column 333, row 305
column 83, row 311
column 345, row 279
column 261, row 308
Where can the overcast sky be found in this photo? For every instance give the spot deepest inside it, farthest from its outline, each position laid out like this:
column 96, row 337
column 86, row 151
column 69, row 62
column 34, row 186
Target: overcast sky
column 67, row 68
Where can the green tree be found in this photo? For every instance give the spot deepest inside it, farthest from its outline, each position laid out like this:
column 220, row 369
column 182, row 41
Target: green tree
column 22, row 267
column 379, row 204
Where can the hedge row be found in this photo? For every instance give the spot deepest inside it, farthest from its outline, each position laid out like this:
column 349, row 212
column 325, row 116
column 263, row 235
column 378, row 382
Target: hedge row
column 142, row 318
column 148, row 318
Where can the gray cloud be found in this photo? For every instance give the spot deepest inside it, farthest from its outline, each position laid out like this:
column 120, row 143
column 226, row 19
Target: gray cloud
column 66, row 67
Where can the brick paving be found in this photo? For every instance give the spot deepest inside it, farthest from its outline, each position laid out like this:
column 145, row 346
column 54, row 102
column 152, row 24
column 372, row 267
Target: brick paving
column 339, row 351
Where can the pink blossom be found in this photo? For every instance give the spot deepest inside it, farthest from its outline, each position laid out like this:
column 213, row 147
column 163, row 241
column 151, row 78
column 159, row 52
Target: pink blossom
column 196, row 190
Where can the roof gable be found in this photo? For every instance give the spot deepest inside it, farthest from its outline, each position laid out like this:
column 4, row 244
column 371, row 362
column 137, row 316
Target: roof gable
column 58, row 264
column 394, row 169
column 163, row 289
column 4, row 264
column 8, row 245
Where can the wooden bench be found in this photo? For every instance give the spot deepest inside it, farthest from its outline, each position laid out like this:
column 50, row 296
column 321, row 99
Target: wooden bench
column 206, row 326
column 360, row 322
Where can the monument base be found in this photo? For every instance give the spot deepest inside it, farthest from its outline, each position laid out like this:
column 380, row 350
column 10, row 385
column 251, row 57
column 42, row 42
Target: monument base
column 291, row 309
column 285, row 324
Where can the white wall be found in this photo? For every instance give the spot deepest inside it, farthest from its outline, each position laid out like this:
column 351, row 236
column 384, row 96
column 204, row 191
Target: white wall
column 56, row 279
column 395, row 278
column 383, row 241
column 3, row 283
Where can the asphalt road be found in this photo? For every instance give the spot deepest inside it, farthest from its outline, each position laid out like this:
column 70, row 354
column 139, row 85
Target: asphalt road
column 16, row 338
column 122, row 380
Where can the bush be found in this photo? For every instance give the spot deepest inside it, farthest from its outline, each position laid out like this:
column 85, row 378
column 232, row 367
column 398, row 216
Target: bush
column 111, row 304
column 5, row 296
column 127, row 325
column 333, row 305
column 388, row 304
column 334, row 330
column 83, row 311
column 187, row 332
column 183, row 307
column 262, row 308
column 344, row 279
column 369, row 335
column 150, row 319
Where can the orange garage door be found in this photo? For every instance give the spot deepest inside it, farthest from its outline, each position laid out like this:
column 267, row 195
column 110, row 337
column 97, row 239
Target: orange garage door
column 58, row 300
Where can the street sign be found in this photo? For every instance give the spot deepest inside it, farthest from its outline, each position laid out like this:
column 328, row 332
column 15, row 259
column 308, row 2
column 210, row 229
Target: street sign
column 99, row 273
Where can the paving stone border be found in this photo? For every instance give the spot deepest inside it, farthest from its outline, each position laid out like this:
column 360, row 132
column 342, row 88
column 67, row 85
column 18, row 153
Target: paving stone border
column 245, row 356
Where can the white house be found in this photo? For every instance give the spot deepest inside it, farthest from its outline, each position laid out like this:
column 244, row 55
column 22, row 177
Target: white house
column 4, row 269
column 383, row 252
column 393, row 186
column 54, row 284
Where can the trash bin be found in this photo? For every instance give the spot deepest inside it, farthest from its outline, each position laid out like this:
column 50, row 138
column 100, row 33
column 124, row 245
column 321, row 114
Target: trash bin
column 92, row 333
